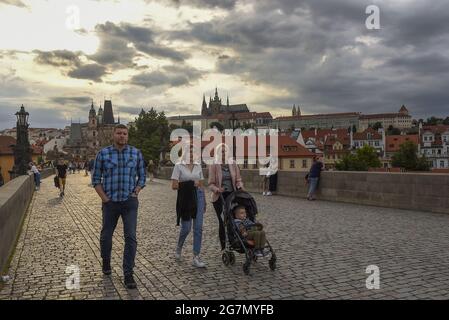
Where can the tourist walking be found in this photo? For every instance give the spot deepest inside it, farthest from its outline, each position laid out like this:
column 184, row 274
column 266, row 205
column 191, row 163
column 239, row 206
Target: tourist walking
column 151, row 168
column 269, row 176
column 37, row 176
column 86, row 168
column 314, row 177
column 224, row 178
column 61, row 173
column 187, row 179
column 118, row 176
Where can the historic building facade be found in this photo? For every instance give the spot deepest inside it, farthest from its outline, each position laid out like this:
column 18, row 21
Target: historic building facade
column 434, row 145
column 215, row 112
column 401, row 120
column 86, row 139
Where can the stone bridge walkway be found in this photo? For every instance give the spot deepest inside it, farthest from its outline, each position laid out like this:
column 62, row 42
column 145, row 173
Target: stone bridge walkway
column 323, row 250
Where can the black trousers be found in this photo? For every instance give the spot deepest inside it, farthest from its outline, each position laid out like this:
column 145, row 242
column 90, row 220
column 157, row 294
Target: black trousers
column 218, row 206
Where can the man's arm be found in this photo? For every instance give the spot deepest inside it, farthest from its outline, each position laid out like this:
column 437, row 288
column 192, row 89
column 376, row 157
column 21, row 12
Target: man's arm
column 141, row 173
column 101, row 193
column 96, row 178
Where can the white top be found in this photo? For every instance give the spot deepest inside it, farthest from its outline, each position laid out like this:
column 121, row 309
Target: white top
column 34, row 169
column 182, row 173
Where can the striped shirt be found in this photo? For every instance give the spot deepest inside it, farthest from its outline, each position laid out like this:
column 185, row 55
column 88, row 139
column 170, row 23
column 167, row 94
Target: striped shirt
column 117, row 171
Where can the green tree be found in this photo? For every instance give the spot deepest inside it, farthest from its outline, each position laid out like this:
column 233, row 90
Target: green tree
column 150, row 134
column 365, row 157
column 392, row 131
column 433, row 121
column 407, row 158
column 446, row 121
column 377, row 125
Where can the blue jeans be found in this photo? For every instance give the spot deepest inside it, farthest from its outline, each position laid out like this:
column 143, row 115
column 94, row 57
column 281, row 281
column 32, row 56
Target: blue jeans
column 313, row 183
column 197, row 225
column 37, row 179
column 111, row 212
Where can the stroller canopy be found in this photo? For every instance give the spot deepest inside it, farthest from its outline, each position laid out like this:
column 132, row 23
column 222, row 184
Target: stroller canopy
column 241, row 198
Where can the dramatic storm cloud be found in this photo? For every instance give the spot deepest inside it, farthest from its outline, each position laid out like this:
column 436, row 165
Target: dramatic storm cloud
column 268, row 54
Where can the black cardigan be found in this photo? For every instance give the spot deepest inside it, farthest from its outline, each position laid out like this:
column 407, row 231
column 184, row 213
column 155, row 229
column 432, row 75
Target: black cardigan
column 186, row 203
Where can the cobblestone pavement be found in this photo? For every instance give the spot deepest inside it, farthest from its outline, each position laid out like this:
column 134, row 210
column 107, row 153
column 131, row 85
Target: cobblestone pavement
column 323, row 250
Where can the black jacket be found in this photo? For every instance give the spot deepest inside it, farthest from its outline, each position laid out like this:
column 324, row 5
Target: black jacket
column 186, row 203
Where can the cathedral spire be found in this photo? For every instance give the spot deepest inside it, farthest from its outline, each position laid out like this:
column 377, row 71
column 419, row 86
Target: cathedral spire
column 204, row 106
column 294, row 111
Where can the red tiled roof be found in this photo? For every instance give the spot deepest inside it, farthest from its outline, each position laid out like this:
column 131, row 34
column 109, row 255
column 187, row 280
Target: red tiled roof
column 440, row 128
column 394, row 142
column 287, row 147
column 330, row 141
column 5, row 143
column 322, row 133
column 364, row 135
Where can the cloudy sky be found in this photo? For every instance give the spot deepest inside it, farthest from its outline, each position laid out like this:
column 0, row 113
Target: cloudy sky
column 55, row 56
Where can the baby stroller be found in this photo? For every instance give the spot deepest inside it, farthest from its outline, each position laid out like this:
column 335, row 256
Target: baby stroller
column 235, row 241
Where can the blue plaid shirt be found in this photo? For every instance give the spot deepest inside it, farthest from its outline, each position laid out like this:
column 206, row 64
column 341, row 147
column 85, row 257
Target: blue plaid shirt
column 117, row 171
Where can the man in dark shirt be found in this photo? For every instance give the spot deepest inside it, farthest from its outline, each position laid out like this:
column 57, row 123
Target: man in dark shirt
column 61, row 172
column 314, row 177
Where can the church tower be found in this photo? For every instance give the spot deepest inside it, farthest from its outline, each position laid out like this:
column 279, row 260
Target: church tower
column 294, row 111
column 215, row 105
column 92, row 116
column 100, row 115
column 204, row 107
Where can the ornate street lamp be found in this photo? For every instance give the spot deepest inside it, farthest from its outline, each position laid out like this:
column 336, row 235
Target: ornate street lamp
column 233, row 122
column 22, row 149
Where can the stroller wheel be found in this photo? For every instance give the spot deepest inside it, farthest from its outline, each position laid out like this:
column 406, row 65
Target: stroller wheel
column 246, row 266
column 272, row 263
column 225, row 258
column 231, row 258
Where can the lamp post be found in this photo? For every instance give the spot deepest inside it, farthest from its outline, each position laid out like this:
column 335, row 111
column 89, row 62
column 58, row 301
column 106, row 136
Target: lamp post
column 22, row 149
column 233, row 122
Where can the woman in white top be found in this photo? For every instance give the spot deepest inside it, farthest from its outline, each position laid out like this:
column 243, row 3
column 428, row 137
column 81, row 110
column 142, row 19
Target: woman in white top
column 183, row 172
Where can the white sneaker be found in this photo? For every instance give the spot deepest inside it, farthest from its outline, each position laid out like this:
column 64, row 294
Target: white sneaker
column 264, row 193
column 269, row 193
column 178, row 254
column 197, row 262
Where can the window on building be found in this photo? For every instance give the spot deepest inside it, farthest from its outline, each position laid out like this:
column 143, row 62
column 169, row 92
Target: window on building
column 376, row 143
column 245, row 164
column 304, row 163
column 292, row 164
column 442, row 164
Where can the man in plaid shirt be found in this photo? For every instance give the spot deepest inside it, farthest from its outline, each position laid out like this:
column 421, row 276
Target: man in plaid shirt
column 118, row 176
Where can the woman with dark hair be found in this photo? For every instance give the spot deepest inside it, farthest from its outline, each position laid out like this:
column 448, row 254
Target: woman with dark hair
column 224, row 178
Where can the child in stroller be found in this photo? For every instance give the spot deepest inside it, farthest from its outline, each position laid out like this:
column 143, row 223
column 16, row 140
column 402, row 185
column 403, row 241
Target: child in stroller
column 252, row 231
column 239, row 213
